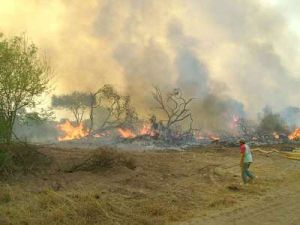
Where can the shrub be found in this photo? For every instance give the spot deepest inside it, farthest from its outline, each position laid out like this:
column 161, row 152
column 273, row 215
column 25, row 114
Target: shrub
column 5, row 161
column 5, row 198
column 21, row 158
column 272, row 123
column 104, row 159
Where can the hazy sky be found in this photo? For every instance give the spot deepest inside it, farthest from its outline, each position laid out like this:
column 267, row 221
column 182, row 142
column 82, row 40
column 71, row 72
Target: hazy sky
column 247, row 50
column 291, row 10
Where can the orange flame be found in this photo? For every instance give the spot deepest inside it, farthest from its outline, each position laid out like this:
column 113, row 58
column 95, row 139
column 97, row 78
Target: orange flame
column 295, row 135
column 98, row 135
column 103, row 134
column 126, row 133
column 147, row 130
column 72, row 132
column 214, row 138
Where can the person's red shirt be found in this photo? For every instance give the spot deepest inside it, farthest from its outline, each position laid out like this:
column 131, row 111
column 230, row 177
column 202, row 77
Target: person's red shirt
column 243, row 148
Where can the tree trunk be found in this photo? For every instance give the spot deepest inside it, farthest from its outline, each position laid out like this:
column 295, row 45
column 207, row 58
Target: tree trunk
column 6, row 130
column 10, row 127
column 91, row 115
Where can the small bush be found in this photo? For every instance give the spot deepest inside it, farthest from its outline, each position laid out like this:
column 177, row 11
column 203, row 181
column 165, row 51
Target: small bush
column 19, row 158
column 4, row 158
column 272, row 123
column 104, row 159
column 6, row 165
column 5, row 198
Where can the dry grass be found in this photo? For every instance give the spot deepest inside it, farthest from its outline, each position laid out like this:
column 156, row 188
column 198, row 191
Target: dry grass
column 133, row 188
column 21, row 159
column 104, row 159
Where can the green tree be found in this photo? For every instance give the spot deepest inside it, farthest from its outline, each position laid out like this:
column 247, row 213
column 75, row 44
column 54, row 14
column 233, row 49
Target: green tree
column 106, row 107
column 110, row 109
column 24, row 77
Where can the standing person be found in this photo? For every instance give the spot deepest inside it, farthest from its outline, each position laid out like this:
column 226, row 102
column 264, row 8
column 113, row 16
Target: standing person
column 246, row 160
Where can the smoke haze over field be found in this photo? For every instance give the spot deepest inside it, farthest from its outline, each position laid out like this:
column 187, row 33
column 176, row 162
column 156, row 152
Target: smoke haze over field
column 230, row 50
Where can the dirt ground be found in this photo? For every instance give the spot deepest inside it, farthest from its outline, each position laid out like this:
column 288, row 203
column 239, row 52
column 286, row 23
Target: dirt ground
column 198, row 186
column 278, row 206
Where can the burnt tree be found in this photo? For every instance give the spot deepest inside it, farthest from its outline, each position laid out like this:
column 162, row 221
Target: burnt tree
column 174, row 106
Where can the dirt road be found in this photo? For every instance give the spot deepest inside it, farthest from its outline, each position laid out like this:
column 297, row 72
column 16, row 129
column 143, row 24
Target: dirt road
column 280, row 207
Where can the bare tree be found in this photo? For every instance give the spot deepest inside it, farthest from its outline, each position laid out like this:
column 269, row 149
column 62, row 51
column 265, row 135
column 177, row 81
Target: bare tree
column 77, row 102
column 174, row 106
column 24, row 76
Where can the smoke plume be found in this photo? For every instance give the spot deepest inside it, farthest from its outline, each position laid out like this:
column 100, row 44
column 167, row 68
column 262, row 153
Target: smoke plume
column 228, row 53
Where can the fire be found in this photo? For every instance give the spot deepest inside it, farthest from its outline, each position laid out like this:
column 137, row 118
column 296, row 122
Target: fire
column 147, row 130
column 206, row 136
column 72, row 132
column 126, row 133
column 98, row 135
column 198, row 135
column 234, row 122
column 295, row 135
column 103, row 134
column 214, row 138
column 276, row 135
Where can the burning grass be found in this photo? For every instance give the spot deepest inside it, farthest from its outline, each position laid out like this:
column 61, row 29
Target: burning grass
column 71, row 132
column 156, row 135
column 295, row 135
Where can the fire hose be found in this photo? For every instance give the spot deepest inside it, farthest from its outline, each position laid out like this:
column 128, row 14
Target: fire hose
column 294, row 155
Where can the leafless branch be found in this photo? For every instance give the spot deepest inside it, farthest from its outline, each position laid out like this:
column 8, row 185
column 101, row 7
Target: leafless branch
column 174, row 106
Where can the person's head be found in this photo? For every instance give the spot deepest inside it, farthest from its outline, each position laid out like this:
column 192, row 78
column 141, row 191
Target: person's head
column 242, row 141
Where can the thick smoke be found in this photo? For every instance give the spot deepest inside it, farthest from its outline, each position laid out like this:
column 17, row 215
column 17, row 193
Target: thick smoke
column 233, row 55
column 193, row 76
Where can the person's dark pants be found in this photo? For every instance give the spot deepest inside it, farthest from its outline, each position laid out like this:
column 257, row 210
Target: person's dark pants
column 246, row 174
